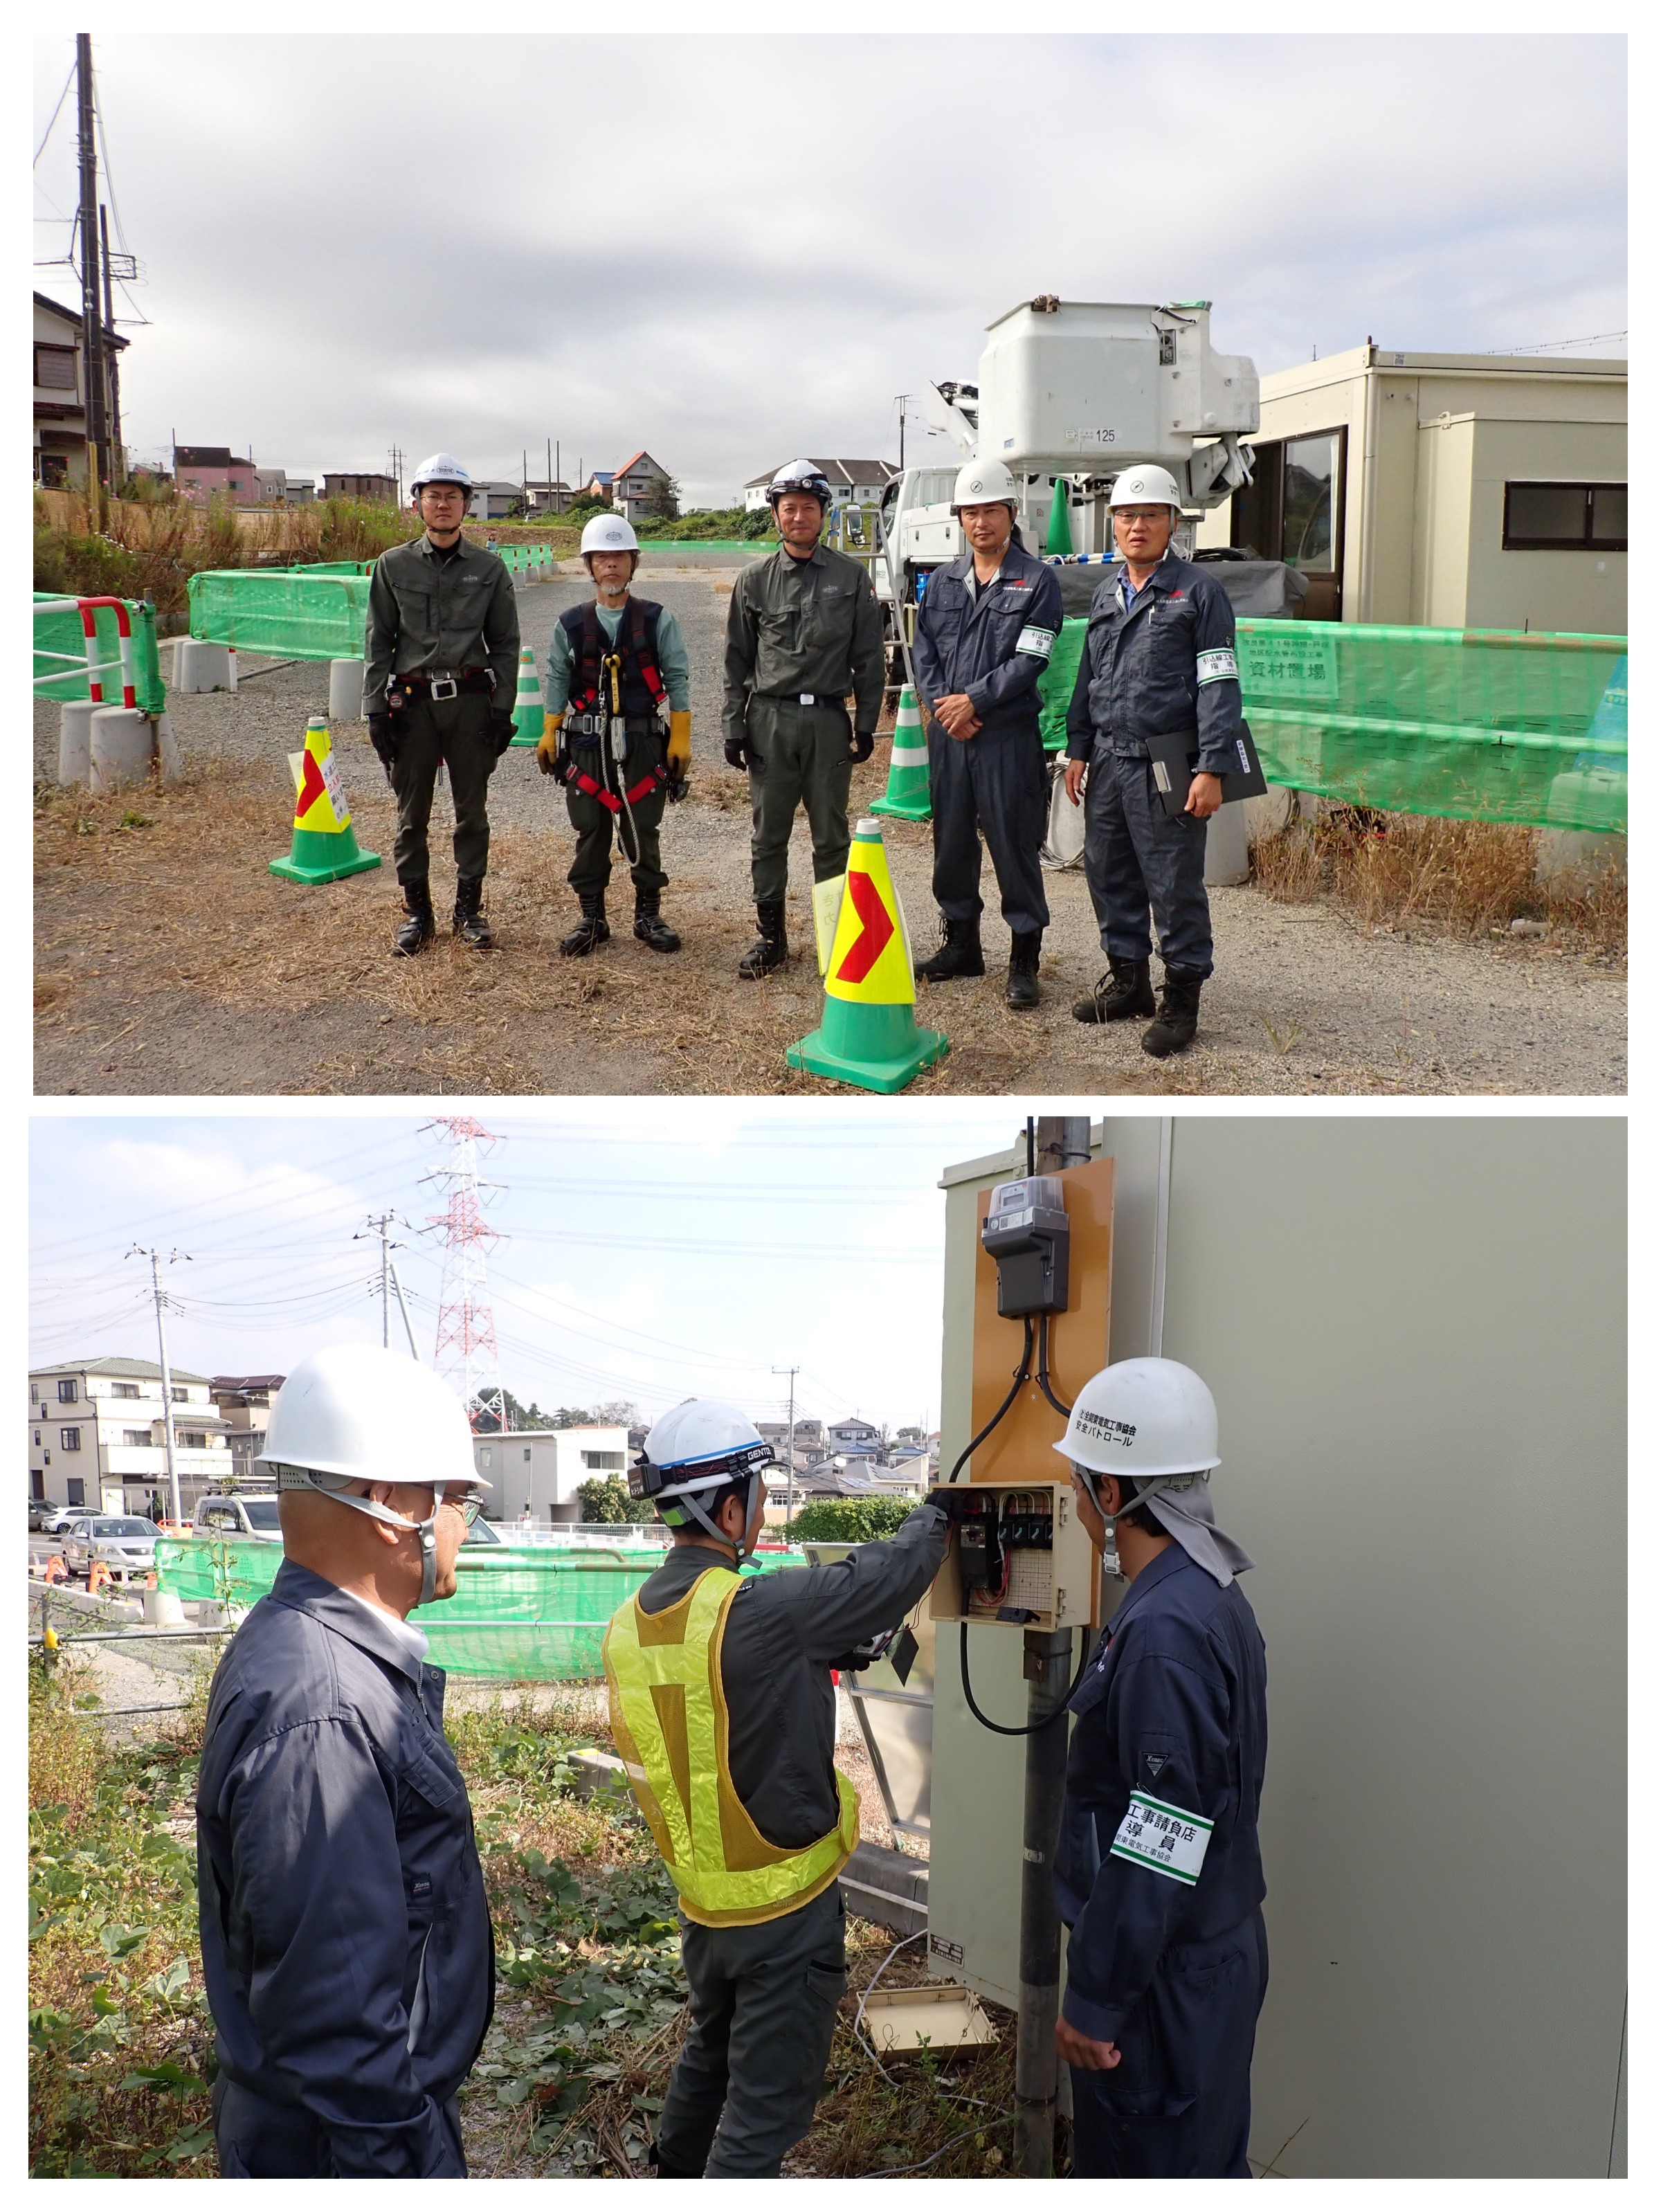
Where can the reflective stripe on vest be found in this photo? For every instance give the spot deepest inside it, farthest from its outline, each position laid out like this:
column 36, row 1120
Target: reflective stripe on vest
column 669, row 1721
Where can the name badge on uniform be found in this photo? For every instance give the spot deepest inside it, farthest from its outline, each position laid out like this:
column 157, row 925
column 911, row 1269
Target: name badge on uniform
column 1034, row 640
column 1216, row 666
column 1163, row 1837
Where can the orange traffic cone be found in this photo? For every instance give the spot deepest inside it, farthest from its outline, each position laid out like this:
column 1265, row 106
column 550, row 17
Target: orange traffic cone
column 97, row 1575
column 56, row 1571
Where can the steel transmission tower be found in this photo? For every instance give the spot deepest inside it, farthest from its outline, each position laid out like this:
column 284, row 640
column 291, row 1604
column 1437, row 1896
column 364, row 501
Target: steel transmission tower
column 465, row 1349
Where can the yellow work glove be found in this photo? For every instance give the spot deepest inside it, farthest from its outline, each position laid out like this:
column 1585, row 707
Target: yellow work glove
column 548, row 745
column 679, row 752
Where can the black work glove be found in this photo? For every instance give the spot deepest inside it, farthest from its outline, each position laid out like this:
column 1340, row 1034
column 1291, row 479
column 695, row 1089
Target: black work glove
column 380, row 736
column 861, row 744
column 675, row 787
column 499, row 730
column 740, row 753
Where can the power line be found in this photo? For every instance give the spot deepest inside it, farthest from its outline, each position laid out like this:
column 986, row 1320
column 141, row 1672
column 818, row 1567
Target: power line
column 56, row 112
column 1559, row 345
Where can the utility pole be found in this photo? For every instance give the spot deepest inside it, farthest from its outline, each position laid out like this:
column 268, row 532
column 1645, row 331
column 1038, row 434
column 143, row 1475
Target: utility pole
column 175, row 1505
column 117, row 458
column 91, row 298
column 902, row 398
column 381, row 1225
column 790, row 1447
column 560, row 503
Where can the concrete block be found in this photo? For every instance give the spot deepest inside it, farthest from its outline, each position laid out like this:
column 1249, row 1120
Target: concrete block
column 171, row 760
column 346, row 690
column 1227, row 858
column 163, row 1609
column 122, row 747
column 199, row 666
column 1570, row 861
column 598, row 1774
column 74, row 741
column 889, row 1888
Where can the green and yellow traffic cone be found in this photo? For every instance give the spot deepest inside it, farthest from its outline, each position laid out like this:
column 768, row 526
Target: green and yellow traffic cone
column 869, row 1036
column 1060, row 539
column 527, row 706
column 907, row 795
column 324, row 845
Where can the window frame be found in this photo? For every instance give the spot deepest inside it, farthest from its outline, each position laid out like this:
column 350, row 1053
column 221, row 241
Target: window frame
column 66, row 1391
column 68, row 1440
column 1510, row 543
column 72, row 353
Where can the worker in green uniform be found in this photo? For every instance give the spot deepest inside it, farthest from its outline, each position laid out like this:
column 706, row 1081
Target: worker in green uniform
column 803, row 631
column 440, row 662
column 616, row 665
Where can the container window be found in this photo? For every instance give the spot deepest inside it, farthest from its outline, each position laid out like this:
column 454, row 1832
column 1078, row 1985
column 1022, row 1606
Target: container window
column 1563, row 517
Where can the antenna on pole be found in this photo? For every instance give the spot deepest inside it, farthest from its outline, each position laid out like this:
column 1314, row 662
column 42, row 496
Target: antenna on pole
column 465, row 1349
column 175, row 1505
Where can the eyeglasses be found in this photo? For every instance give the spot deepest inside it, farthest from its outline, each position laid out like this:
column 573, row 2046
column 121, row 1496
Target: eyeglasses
column 466, row 1502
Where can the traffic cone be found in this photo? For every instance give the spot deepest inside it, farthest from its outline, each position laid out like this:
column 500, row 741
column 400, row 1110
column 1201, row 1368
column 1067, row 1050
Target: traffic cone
column 1060, row 539
column 56, row 1572
column 527, row 706
column 324, row 845
column 97, row 1576
column 907, row 795
column 869, row 1036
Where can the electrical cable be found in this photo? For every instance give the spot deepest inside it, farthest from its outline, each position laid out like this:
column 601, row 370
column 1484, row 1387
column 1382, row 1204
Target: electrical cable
column 56, row 112
column 1032, row 1728
column 1023, row 1374
column 1066, row 1412
column 1003, row 2120
column 865, row 1995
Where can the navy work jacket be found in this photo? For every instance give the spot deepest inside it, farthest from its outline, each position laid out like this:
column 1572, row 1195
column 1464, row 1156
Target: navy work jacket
column 1166, row 668
column 346, row 1940
column 995, row 647
column 1173, row 1706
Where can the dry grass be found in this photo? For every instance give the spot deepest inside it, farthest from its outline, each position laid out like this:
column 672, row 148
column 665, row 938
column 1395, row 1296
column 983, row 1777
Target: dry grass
column 1475, row 878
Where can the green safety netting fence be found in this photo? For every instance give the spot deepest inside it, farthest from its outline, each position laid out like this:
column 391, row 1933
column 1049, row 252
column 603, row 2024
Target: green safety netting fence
column 59, row 639
column 527, row 1613
column 1489, row 726
column 293, row 614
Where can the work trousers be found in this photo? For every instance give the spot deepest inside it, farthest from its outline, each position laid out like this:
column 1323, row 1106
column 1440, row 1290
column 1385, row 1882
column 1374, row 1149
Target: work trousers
column 636, row 829
column 1177, row 2106
column 995, row 786
column 259, row 2141
column 763, row 2002
column 803, row 760
column 452, row 731
column 1136, row 857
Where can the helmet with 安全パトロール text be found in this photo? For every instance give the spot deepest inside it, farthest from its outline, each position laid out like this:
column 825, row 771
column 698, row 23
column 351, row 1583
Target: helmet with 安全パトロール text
column 1145, row 485
column 439, row 469
column 608, row 533
column 984, row 483
column 1140, row 1418
column 800, row 475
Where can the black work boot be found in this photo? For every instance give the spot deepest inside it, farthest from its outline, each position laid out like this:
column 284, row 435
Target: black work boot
column 650, row 927
column 1123, row 990
column 469, row 923
column 1021, row 987
column 960, row 953
column 771, row 949
column 415, row 933
column 594, row 929
column 1179, row 1014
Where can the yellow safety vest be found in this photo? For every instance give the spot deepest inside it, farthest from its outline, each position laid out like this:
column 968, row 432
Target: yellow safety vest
column 669, row 1721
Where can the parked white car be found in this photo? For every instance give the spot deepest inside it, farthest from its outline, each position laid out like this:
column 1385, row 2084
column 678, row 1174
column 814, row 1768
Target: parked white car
column 124, row 1545
column 239, row 1515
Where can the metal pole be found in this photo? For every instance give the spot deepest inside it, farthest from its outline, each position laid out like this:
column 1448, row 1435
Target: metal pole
column 1161, row 1240
column 899, row 609
column 92, row 303
column 790, row 1447
column 175, row 1503
column 1045, row 1663
column 1063, row 1140
column 118, row 460
column 399, row 1287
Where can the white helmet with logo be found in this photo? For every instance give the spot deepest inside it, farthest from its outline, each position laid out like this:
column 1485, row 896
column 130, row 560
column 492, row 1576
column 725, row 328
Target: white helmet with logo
column 440, row 468
column 356, row 1413
column 608, row 533
column 703, row 1444
column 1144, row 1420
column 983, row 483
column 800, row 475
column 1145, row 485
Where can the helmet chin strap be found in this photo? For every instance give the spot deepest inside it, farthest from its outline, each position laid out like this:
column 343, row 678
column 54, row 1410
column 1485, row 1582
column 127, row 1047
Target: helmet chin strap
column 742, row 1549
column 300, row 1478
column 1150, row 1487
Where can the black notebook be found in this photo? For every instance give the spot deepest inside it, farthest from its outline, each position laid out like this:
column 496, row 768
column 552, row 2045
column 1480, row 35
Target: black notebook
column 1175, row 759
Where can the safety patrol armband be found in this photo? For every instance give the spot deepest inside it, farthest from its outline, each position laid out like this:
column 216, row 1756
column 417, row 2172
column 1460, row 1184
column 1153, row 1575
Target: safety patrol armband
column 1217, row 666
column 1163, row 1837
column 1034, row 640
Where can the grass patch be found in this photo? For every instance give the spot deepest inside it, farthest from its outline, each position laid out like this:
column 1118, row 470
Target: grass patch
column 1477, row 878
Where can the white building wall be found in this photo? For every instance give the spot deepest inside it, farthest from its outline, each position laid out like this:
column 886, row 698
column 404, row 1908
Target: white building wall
column 539, row 1470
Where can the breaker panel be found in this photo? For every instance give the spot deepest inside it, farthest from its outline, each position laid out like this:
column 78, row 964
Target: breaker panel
column 1018, row 1554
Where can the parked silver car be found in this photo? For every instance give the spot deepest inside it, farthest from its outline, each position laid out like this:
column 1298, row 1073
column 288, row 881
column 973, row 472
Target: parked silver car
column 125, row 1545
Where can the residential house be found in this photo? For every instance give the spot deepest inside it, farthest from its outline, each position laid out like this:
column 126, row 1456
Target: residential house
column 205, row 472
column 97, row 1435
column 495, row 498
column 543, row 496
column 278, row 488
column 853, row 1439
column 599, row 485
column 856, row 483
column 245, row 1406
column 60, row 394
column 639, row 487
column 370, row 486
column 535, row 1473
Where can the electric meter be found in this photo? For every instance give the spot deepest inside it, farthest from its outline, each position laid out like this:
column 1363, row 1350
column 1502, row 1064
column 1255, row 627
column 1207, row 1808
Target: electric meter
column 1026, row 1232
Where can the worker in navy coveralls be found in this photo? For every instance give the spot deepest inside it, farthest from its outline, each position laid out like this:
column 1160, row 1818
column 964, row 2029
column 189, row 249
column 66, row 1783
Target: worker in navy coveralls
column 1157, row 1873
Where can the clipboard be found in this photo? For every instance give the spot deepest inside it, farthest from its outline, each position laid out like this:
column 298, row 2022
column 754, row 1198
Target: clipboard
column 1174, row 760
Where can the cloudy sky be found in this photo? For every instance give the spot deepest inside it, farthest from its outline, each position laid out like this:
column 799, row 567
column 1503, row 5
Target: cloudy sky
column 655, row 241
column 649, row 1250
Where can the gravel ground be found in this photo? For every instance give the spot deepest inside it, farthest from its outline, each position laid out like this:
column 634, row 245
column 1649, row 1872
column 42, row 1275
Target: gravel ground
column 169, row 961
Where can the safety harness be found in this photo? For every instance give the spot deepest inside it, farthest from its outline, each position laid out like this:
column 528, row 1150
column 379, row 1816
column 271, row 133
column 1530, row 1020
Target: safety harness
column 616, row 689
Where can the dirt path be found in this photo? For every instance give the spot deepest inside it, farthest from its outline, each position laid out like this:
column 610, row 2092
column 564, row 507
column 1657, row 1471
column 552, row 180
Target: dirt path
column 168, row 959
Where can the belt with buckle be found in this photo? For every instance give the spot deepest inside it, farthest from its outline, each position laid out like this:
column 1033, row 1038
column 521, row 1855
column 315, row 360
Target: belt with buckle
column 446, row 682
column 805, row 698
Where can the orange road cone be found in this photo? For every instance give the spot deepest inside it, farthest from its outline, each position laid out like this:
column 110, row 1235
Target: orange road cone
column 869, row 1036
column 324, row 846
column 56, row 1571
column 97, row 1575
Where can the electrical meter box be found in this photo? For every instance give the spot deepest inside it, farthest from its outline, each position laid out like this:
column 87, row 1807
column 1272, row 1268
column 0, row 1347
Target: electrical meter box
column 1018, row 1556
column 1026, row 1232
column 1077, row 385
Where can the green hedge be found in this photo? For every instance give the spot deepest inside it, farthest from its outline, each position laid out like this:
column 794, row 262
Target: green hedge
column 849, row 1520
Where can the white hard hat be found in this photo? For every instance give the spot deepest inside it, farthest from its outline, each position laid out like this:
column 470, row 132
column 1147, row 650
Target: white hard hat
column 1140, row 1418
column 608, row 533
column 440, row 468
column 701, row 1445
column 1145, row 485
column 800, row 475
column 982, row 484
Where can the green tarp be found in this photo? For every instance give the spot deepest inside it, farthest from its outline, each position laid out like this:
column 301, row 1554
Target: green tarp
column 58, row 637
column 292, row 614
column 1490, row 726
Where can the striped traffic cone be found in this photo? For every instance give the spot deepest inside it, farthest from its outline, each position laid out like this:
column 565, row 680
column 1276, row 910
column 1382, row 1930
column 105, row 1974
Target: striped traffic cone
column 527, row 706
column 869, row 1036
column 907, row 795
column 324, row 845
